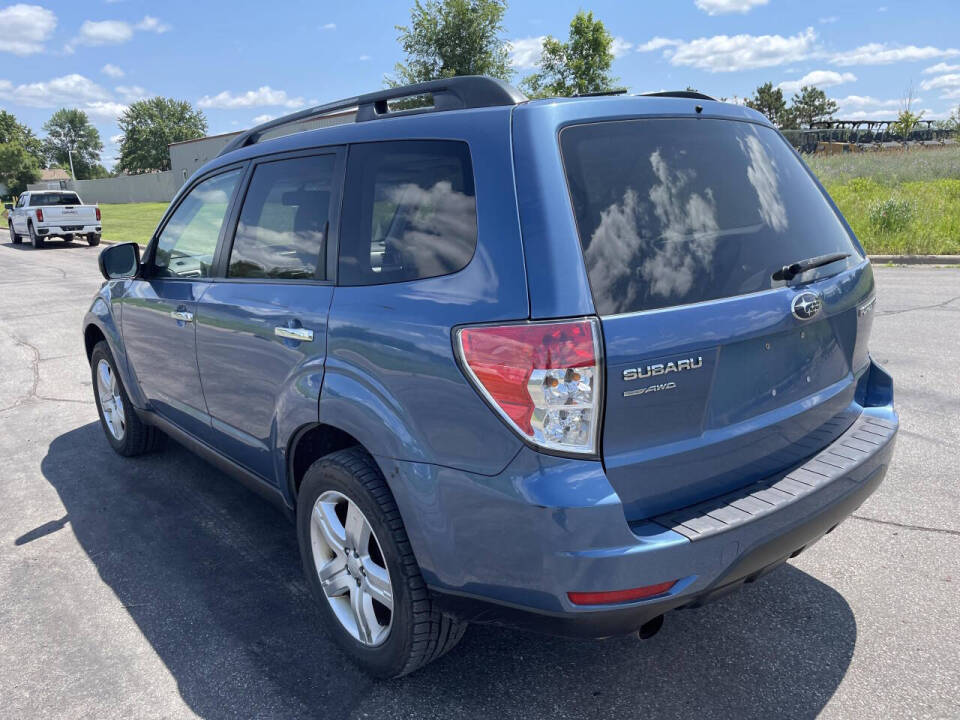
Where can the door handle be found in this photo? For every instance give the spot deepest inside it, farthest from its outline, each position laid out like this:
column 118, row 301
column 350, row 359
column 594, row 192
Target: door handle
column 294, row 333
column 181, row 315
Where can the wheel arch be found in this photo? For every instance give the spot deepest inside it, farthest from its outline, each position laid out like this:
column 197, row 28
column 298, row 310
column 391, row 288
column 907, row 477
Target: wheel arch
column 308, row 444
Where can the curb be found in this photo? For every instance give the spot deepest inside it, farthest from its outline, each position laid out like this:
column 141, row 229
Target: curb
column 915, row 259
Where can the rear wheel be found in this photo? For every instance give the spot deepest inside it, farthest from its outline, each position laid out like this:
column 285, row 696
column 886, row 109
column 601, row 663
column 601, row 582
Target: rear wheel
column 125, row 432
column 35, row 239
column 360, row 566
column 68, row 238
column 93, row 239
column 14, row 238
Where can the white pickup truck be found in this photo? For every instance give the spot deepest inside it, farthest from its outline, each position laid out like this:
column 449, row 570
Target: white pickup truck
column 41, row 214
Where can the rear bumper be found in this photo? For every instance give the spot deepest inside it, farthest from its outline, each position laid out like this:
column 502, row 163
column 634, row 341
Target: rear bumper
column 508, row 549
column 69, row 229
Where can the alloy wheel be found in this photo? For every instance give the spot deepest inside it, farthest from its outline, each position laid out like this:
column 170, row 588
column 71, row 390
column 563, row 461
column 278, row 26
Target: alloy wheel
column 351, row 568
column 111, row 401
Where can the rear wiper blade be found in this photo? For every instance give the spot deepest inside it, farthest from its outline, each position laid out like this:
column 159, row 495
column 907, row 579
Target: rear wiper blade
column 788, row 272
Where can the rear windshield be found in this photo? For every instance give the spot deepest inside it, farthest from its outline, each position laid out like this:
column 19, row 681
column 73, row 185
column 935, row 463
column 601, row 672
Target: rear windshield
column 39, row 199
column 677, row 211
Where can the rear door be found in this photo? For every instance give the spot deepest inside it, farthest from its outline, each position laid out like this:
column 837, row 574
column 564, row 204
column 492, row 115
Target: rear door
column 159, row 309
column 261, row 327
column 721, row 369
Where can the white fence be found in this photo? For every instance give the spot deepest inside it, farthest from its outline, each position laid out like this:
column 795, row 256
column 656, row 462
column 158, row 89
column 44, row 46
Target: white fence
column 149, row 187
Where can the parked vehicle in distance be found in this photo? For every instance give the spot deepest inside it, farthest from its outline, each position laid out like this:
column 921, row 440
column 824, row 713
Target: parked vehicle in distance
column 41, row 214
column 564, row 365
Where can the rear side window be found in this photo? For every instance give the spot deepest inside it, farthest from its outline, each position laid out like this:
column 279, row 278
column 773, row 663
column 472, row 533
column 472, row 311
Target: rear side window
column 284, row 221
column 48, row 199
column 409, row 211
column 677, row 211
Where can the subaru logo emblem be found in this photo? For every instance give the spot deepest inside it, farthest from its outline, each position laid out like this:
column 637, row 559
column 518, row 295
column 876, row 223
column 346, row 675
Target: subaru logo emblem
column 806, row 305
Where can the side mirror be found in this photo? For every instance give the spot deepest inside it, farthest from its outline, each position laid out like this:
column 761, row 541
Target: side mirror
column 8, row 206
column 120, row 261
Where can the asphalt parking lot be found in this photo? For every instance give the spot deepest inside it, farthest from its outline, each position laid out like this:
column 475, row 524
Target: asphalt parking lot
column 158, row 587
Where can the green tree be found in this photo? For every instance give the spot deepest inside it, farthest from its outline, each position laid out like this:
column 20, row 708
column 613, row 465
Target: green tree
column 18, row 167
column 15, row 132
column 69, row 132
column 812, row 104
column 769, row 101
column 149, row 126
column 446, row 38
column 580, row 65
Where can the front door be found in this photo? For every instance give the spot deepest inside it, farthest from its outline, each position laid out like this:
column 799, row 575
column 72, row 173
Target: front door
column 261, row 329
column 159, row 310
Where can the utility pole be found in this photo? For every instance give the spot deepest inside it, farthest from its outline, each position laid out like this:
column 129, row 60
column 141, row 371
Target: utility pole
column 73, row 175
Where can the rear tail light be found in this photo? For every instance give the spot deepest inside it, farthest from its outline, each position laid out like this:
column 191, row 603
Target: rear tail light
column 544, row 379
column 39, row 215
column 98, row 213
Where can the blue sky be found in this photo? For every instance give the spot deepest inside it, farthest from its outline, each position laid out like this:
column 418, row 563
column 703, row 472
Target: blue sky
column 242, row 61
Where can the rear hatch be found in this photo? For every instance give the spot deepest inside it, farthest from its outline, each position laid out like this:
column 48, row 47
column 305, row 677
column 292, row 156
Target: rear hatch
column 722, row 369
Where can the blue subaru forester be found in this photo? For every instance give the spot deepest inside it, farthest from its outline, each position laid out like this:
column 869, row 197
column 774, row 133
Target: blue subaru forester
column 560, row 364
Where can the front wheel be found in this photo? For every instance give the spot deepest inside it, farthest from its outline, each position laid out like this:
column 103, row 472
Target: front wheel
column 125, row 432
column 360, row 566
column 14, row 238
column 35, row 239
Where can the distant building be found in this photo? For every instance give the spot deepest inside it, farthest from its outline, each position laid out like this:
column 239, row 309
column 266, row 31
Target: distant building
column 50, row 179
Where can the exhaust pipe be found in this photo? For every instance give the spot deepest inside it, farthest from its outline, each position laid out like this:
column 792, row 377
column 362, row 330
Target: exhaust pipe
column 650, row 628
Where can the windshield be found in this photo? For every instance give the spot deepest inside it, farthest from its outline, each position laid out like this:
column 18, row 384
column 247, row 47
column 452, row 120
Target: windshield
column 676, row 211
column 48, row 199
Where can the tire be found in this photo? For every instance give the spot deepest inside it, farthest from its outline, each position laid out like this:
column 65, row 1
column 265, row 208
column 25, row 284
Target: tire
column 135, row 437
column 418, row 632
column 14, row 238
column 93, row 239
column 35, row 239
column 67, row 239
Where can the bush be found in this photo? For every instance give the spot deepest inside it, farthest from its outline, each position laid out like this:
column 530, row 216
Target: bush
column 891, row 215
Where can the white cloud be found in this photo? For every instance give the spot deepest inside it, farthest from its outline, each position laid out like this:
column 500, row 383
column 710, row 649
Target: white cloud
column 131, row 93
column 106, row 109
column 263, row 96
column 104, row 32
column 818, row 78
column 941, row 68
column 71, row 89
column 620, row 47
column 152, row 24
column 329, row 26
column 730, row 53
column 722, row 7
column 364, row 58
column 860, row 101
column 260, row 119
column 658, row 43
column 112, row 71
column 884, row 54
column 828, row 20
column 950, row 84
column 525, row 52
column 116, row 139
column 24, row 28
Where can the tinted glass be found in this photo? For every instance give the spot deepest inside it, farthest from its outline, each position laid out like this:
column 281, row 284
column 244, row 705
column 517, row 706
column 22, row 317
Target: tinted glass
column 189, row 239
column 677, row 211
column 283, row 224
column 409, row 212
column 48, row 199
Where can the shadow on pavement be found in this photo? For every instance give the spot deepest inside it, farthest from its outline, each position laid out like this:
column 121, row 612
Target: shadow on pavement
column 210, row 574
column 55, row 244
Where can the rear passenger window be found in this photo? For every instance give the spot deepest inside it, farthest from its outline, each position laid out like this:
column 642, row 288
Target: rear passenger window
column 409, row 211
column 283, row 224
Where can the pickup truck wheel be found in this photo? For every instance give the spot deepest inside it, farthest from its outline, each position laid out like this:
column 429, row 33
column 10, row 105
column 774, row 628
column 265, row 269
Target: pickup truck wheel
column 35, row 239
column 68, row 239
column 14, row 238
column 125, row 432
column 360, row 567
column 93, row 239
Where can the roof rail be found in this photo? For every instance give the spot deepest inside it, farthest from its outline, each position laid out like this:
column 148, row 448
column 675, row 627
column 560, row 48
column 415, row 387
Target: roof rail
column 691, row 94
column 456, row 93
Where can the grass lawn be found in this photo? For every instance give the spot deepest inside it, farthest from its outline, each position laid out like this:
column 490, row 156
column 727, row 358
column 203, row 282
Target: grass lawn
column 131, row 222
column 897, row 202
